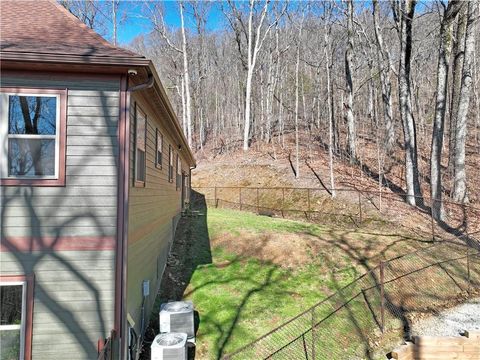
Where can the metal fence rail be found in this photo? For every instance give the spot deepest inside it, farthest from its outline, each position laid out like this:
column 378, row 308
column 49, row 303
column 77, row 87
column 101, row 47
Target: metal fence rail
column 352, row 321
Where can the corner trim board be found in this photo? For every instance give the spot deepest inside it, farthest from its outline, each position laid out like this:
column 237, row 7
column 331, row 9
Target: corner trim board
column 122, row 213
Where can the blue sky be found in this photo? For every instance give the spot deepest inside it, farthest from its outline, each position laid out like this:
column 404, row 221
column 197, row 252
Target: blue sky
column 136, row 22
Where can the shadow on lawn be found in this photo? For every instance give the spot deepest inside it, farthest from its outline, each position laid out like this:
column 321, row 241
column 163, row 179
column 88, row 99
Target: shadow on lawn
column 190, row 248
column 423, row 282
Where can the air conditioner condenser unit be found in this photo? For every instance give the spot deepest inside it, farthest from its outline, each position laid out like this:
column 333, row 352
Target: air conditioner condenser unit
column 177, row 316
column 170, row 346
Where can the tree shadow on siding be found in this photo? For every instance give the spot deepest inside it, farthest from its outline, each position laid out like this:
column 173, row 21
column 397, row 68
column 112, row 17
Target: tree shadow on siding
column 53, row 217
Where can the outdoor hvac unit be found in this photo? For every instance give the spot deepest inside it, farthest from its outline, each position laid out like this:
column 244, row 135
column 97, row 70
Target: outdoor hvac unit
column 171, row 346
column 177, row 316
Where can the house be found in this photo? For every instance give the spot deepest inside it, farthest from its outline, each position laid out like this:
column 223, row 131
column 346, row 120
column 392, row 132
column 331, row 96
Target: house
column 94, row 174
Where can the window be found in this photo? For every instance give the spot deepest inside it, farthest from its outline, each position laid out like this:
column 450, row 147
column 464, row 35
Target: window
column 170, row 163
column 140, row 146
column 179, row 173
column 16, row 302
column 159, row 147
column 32, row 134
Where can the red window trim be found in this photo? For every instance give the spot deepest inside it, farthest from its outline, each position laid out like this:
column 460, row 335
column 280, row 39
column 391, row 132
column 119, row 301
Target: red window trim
column 60, row 181
column 30, row 283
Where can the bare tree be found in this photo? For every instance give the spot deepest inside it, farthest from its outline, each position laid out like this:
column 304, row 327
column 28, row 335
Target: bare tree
column 460, row 176
column 255, row 37
column 458, row 55
column 158, row 21
column 349, row 85
column 386, row 85
column 444, row 50
column 327, row 9
column 404, row 11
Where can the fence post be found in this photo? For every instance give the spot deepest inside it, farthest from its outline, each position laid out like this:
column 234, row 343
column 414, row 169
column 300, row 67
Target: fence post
column 258, row 211
column 380, row 200
column 382, row 296
column 215, row 197
column 308, row 201
column 240, row 196
column 468, row 271
column 432, row 223
column 360, row 208
column 313, row 335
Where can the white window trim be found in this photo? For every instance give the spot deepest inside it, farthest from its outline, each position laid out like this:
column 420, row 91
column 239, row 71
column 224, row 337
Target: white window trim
column 23, row 317
column 4, row 135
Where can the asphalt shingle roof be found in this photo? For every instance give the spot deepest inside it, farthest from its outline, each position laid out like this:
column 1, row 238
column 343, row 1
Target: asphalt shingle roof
column 45, row 27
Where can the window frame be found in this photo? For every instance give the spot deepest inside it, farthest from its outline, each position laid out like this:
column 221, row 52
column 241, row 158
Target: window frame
column 60, row 137
column 178, row 184
column 170, row 163
column 136, row 181
column 158, row 135
column 26, row 327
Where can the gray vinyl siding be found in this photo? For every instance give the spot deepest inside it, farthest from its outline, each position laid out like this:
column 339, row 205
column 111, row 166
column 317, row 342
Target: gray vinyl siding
column 72, row 301
column 74, row 290
column 153, row 214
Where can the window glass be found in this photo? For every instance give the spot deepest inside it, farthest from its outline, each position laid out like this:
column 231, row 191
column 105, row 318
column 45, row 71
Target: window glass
column 11, row 298
column 159, row 148
column 140, row 135
column 31, row 157
column 141, row 128
column 32, row 136
column 170, row 163
column 36, row 115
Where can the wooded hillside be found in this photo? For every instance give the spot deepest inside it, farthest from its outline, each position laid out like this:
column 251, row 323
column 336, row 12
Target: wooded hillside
column 365, row 81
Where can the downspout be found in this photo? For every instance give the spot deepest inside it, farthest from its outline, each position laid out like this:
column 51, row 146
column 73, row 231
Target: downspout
column 122, row 214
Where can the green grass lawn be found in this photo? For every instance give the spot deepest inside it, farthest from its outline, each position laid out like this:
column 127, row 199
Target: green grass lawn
column 240, row 295
column 220, row 262
column 240, row 299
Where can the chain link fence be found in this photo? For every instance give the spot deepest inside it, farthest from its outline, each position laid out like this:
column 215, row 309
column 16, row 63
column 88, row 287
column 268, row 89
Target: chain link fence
column 358, row 318
column 353, row 321
column 350, row 207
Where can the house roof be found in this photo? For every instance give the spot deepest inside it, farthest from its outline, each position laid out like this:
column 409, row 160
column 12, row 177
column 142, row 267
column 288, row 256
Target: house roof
column 45, row 29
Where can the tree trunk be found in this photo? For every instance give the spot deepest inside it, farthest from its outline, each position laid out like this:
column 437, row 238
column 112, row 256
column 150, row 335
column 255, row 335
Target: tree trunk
column 458, row 56
column 184, row 107
column 297, row 65
column 460, row 178
column 187, row 79
column 444, row 50
column 414, row 193
column 254, row 44
column 386, row 85
column 331, row 119
column 349, row 86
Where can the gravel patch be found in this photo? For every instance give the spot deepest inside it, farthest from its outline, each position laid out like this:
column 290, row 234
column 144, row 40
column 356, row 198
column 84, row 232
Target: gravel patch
column 451, row 322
